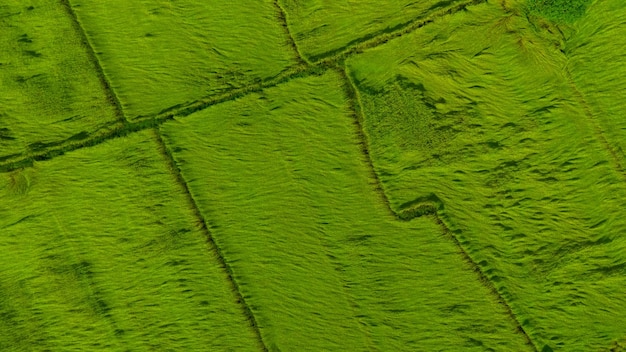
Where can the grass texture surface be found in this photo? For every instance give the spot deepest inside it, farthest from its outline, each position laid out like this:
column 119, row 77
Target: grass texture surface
column 477, row 113
column 50, row 90
column 597, row 63
column 321, row 27
column 281, row 175
column 161, row 54
column 323, row 263
column 100, row 251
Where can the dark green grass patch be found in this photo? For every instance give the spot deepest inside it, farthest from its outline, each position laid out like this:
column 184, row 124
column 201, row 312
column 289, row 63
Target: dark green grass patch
column 325, row 266
column 565, row 11
column 477, row 110
column 165, row 53
column 50, row 90
column 100, row 251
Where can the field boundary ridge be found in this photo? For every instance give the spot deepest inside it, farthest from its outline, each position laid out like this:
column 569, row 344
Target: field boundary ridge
column 429, row 206
column 177, row 174
column 300, row 70
column 93, row 58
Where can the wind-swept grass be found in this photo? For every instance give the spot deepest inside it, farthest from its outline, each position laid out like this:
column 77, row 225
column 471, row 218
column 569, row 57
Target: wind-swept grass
column 325, row 266
column 100, row 251
column 50, row 90
column 258, row 223
column 321, row 27
column 163, row 53
column 477, row 111
column 597, row 62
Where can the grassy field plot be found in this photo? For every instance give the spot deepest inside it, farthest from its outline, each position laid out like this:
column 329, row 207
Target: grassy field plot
column 598, row 66
column 475, row 113
column 100, row 251
column 324, row 265
column 50, row 90
column 321, row 27
column 163, row 53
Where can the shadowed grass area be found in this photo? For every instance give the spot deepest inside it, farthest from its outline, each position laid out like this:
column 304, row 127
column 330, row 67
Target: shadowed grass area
column 321, row 27
column 50, row 91
column 478, row 110
column 163, row 53
column 100, row 251
column 325, row 266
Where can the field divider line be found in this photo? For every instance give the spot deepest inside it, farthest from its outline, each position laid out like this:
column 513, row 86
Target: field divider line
column 176, row 172
column 422, row 209
column 115, row 130
column 282, row 16
column 143, row 122
column 384, row 36
column 123, row 128
column 304, row 69
column 93, row 57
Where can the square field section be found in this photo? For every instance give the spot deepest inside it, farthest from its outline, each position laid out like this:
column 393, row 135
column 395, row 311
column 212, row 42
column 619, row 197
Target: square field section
column 324, row 265
column 475, row 113
column 160, row 54
column 100, row 251
column 50, row 91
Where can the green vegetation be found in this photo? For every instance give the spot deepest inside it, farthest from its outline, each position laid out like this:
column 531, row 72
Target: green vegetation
column 282, row 175
column 161, row 54
column 322, row 27
column 101, row 251
column 50, row 90
column 281, row 179
column 598, row 66
column 565, row 11
column 478, row 111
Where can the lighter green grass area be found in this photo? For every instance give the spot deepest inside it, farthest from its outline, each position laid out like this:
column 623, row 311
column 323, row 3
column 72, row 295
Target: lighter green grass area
column 319, row 257
column 163, row 53
column 477, row 110
column 49, row 90
column 597, row 61
column 321, row 27
column 100, row 251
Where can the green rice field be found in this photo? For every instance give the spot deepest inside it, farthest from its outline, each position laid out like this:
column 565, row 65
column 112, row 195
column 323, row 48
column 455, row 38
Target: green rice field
column 51, row 90
column 186, row 175
column 338, row 275
column 162, row 54
column 321, row 28
column 101, row 251
column 504, row 164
